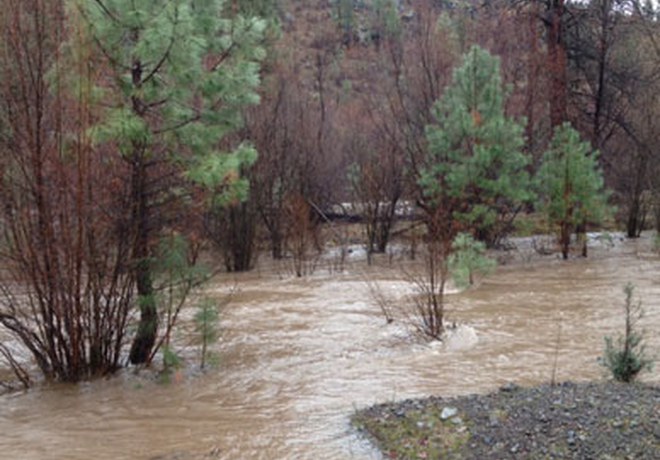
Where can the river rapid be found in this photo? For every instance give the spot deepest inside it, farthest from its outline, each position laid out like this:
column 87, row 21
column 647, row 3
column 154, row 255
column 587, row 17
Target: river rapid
column 298, row 356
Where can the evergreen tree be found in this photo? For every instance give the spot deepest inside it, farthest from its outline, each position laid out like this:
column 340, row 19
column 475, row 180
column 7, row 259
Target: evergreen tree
column 468, row 259
column 476, row 168
column 570, row 185
column 474, row 177
column 345, row 19
column 206, row 325
column 386, row 24
column 178, row 74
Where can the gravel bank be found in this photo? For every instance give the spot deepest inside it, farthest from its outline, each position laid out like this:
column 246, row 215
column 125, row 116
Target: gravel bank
column 567, row 421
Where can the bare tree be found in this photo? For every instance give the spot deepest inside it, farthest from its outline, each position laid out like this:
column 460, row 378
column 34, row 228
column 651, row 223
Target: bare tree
column 67, row 291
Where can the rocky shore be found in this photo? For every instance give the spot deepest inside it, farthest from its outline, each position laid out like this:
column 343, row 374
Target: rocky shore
column 604, row 420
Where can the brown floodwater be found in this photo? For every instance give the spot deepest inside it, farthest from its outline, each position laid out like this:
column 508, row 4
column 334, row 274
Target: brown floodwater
column 298, row 356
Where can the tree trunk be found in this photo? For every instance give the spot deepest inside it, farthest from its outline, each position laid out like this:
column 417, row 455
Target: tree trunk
column 632, row 225
column 147, row 331
column 145, row 337
column 565, row 239
column 276, row 245
column 557, row 63
column 581, row 233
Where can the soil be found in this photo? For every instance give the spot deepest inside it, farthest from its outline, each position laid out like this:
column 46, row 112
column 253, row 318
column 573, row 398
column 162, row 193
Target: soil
column 605, row 420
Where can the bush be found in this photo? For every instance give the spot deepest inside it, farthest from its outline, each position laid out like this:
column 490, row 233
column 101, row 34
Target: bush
column 468, row 259
column 627, row 358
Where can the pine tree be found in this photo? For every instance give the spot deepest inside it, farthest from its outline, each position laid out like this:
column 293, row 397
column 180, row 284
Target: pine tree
column 345, row 19
column 476, row 168
column 570, row 185
column 474, row 177
column 178, row 74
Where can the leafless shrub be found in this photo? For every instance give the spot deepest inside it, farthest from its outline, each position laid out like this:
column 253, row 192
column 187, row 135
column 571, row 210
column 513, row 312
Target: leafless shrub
column 66, row 292
column 384, row 302
column 303, row 236
column 17, row 368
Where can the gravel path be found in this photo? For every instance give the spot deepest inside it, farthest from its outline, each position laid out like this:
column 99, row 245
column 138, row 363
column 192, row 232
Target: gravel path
column 568, row 421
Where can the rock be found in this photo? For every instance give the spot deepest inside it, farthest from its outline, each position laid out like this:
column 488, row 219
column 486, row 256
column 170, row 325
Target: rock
column 603, row 420
column 448, row 412
column 570, row 438
column 509, row 387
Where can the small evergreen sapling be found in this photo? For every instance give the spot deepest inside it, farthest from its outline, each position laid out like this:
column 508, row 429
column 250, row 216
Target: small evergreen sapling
column 468, row 259
column 206, row 325
column 628, row 358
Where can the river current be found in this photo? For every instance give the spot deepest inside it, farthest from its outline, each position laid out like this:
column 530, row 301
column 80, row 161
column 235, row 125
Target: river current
column 297, row 356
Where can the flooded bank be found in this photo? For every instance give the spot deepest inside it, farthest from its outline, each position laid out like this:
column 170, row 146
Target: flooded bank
column 297, row 356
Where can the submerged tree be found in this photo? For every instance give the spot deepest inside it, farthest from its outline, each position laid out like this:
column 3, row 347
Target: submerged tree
column 475, row 180
column 377, row 183
column 177, row 75
column 570, row 184
column 66, row 292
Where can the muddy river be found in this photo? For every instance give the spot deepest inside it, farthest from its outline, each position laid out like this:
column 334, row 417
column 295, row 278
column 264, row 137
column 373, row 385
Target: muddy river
column 297, row 356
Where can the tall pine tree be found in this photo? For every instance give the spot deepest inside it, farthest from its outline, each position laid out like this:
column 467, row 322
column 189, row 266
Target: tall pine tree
column 177, row 76
column 476, row 168
column 474, row 177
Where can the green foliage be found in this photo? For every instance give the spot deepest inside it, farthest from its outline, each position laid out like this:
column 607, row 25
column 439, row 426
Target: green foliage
column 170, row 360
column 569, row 181
column 181, row 75
column 177, row 274
column 468, row 259
column 171, row 363
column 345, row 17
column 476, row 167
column 627, row 358
column 177, row 75
column 266, row 9
column 174, row 265
column 386, row 21
column 206, row 325
column 218, row 173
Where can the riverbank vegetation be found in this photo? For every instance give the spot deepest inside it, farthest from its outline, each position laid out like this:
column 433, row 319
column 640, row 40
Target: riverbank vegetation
column 138, row 141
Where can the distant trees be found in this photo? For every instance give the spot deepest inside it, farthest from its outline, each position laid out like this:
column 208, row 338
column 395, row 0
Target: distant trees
column 377, row 180
column 293, row 131
column 570, row 183
column 614, row 70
